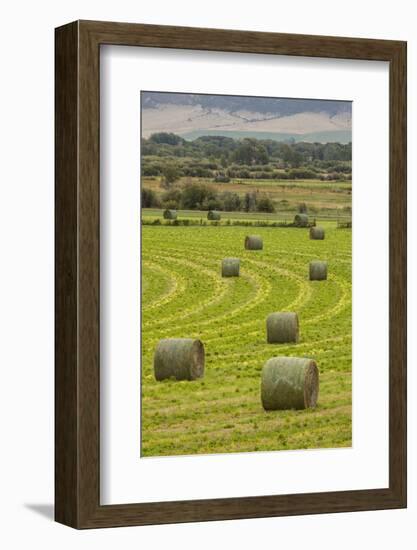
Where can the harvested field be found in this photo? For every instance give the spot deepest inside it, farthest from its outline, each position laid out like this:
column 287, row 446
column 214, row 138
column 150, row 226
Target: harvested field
column 184, row 296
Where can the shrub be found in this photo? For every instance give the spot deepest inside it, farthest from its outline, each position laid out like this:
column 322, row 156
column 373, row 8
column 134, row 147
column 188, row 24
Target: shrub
column 281, row 175
column 265, row 204
column 167, row 138
column 149, row 198
column 221, row 178
column 211, row 203
column 302, row 173
column 249, row 202
column 230, row 202
column 195, row 194
column 171, row 199
column 151, row 170
column 171, row 173
column 238, row 173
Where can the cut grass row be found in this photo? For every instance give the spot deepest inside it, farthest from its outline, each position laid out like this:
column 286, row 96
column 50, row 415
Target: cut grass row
column 222, row 412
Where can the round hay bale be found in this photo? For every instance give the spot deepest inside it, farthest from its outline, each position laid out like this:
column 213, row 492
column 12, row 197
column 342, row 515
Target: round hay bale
column 289, row 383
column 170, row 214
column 253, row 242
column 301, row 220
column 213, row 215
column 230, row 267
column 282, row 327
column 318, row 271
column 317, row 233
column 180, row 358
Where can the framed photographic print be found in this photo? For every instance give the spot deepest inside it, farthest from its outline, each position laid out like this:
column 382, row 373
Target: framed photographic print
column 230, row 274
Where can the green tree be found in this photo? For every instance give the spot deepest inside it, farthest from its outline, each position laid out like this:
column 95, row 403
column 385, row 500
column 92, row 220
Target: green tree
column 230, row 201
column 249, row 202
column 265, row 204
column 171, row 199
column 291, row 156
column 170, row 174
column 195, row 195
column 149, row 198
column 223, row 161
column 167, row 138
column 251, row 151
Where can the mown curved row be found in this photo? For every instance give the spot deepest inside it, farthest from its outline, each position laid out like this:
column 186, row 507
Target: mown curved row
column 183, row 295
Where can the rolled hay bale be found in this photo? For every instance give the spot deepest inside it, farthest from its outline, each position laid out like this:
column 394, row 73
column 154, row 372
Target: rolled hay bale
column 282, row 327
column 213, row 215
column 317, row 233
column 230, row 267
column 253, row 242
column 301, row 220
column 289, row 383
column 318, row 271
column 170, row 214
column 180, row 358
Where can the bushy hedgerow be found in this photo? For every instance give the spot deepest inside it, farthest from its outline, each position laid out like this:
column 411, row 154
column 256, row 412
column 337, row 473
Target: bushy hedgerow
column 198, row 196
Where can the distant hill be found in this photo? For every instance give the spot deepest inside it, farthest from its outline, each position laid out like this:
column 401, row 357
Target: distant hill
column 338, row 136
column 194, row 115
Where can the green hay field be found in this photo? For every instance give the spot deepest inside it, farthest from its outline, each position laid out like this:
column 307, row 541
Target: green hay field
column 183, row 295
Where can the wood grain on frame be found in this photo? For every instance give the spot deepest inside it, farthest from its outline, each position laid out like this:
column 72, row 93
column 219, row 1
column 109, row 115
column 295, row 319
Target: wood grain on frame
column 77, row 196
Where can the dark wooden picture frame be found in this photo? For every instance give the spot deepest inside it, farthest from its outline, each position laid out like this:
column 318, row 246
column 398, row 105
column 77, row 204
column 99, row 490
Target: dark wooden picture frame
column 77, row 360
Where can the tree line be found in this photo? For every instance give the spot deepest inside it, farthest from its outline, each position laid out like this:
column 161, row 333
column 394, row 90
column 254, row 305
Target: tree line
column 223, row 158
column 196, row 196
column 248, row 151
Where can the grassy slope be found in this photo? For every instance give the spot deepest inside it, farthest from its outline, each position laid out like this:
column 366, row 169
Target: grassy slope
column 184, row 296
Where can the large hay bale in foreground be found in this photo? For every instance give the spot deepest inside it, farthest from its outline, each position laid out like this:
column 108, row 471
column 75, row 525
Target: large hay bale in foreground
column 180, row 358
column 282, row 327
column 230, row 267
column 289, row 383
column 318, row 271
column 317, row 233
column 301, row 220
column 213, row 215
column 170, row 214
column 253, row 242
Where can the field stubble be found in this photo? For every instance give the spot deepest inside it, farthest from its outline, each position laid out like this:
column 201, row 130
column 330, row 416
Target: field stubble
column 183, row 295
